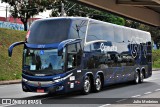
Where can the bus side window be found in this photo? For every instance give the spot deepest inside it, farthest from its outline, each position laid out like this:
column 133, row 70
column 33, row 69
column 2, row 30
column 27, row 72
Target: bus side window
column 114, row 57
column 79, row 54
column 73, row 56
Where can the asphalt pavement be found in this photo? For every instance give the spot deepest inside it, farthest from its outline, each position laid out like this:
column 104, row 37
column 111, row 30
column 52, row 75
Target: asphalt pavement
column 120, row 93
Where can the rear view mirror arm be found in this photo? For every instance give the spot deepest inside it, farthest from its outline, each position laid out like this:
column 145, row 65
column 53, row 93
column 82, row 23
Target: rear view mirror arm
column 10, row 49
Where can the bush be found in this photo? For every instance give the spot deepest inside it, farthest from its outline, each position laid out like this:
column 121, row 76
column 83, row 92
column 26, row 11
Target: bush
column 156, row 58
column 10, row 68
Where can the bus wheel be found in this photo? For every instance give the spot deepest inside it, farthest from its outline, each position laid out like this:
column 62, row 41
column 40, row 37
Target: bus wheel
column 141, row 77
column 137, row 78
column 98, row 84
column 86, row 85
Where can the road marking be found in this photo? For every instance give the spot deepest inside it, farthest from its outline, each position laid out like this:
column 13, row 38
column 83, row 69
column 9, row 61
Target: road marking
column 157, row 90
column 148, row 93
column 120, row 100
column 136, row 96
column 8, row 105
column 105, row 105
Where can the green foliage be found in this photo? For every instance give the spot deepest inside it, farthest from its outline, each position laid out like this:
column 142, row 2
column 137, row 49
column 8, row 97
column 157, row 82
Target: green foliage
column 24, row 9
column 10, row 68
column 73, row 9
column 156, row 58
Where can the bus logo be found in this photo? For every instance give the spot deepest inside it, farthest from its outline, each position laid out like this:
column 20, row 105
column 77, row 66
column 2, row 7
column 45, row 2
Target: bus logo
column 107, row 48
column 39, row 84
column 41, row 46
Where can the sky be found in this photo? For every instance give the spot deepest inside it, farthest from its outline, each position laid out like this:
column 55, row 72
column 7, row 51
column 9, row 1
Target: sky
column 3, row 5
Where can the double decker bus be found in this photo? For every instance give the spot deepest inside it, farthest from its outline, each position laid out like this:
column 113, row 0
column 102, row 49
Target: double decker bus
column 66, row 54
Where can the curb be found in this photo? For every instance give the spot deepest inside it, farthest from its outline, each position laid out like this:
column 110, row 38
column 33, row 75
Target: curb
column 156, row 69
column 10, row 82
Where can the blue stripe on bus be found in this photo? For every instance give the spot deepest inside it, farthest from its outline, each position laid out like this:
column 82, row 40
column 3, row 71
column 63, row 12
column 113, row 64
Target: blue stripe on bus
column 55, row 45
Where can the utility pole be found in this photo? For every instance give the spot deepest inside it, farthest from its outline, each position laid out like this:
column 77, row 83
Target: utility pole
column 6, row 14
column 62, row 9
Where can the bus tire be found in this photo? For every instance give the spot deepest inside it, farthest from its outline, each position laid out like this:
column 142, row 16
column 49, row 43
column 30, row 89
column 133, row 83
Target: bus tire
column 137, row 78
column 98, row 84
column 141, row 77
column 86, row 85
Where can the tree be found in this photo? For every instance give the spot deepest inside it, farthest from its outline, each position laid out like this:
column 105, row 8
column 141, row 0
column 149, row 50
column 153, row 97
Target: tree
column 73, row 9
column 24, row 9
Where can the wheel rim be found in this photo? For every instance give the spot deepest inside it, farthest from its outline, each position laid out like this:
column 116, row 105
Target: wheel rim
column 98, row 84
column 87, row 85
column 137, row 78
column 142, row 77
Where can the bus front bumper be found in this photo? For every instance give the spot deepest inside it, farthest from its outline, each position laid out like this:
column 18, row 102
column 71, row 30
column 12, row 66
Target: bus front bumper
column 42, row 86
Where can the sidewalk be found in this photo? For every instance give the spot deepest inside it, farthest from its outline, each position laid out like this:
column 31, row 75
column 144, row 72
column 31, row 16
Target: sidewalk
column 155, row 69
column 10, row 82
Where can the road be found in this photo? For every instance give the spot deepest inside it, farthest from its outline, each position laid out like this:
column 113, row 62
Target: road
column 149, row 89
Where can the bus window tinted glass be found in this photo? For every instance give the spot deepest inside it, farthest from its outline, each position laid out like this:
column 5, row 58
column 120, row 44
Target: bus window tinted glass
column 107, row 31
column 127, row 35
column 49, row 31
column 99, row 31
column 118, row 34
column 78, row 29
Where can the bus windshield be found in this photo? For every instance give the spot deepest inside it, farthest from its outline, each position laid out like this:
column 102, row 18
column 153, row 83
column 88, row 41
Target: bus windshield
column 49, row 31
column 45, row 62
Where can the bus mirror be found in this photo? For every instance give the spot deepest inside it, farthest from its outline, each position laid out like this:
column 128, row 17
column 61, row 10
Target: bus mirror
column 10, row 49
column 60, row 49
column 63, row 44
column 60, row 52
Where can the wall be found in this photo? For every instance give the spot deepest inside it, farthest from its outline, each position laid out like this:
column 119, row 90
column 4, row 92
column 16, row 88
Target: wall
column 9, row 25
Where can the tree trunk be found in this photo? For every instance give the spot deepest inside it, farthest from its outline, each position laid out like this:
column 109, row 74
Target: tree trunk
column 24, row 20
column 25, row 26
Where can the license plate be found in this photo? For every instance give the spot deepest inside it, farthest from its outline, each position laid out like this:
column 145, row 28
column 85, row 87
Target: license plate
column 40, row 90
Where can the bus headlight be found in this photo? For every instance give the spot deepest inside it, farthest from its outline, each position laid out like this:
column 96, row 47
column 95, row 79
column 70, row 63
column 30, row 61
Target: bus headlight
column 24, row 80
column 61, row 79
column 57, row 80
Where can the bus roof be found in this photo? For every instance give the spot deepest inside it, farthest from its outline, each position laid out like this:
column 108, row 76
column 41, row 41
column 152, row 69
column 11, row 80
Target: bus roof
column 86, row 18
